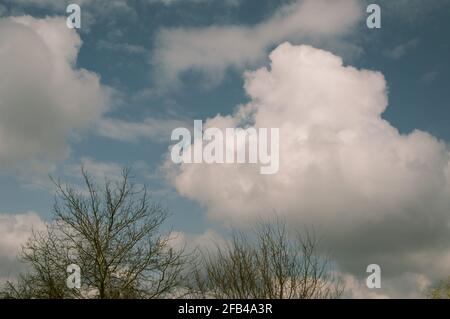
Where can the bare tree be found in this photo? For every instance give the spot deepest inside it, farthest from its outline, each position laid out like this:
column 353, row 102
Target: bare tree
column 267, row 264
column 113, row 234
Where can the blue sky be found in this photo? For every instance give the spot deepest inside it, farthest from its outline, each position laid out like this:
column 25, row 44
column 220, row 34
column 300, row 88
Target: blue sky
column 123, row 41
column 417, row 80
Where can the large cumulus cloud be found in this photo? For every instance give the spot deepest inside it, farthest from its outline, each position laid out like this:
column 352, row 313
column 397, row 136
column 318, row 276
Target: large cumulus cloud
column 374, row 194
column 44, row 98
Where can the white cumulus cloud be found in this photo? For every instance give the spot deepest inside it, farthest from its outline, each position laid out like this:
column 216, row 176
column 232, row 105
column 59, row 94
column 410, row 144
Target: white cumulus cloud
column 44, row 98
column 374, row 194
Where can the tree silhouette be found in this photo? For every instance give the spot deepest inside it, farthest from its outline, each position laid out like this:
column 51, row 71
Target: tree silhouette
column 113, row 233
column 265, row 264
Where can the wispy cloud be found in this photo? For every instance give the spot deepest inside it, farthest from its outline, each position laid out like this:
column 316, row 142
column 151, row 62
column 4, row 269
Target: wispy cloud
column 429, row 77
column 402, row 49
column 121, row 47
column 156, row 130
column 233, row 3
column 212, row 50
